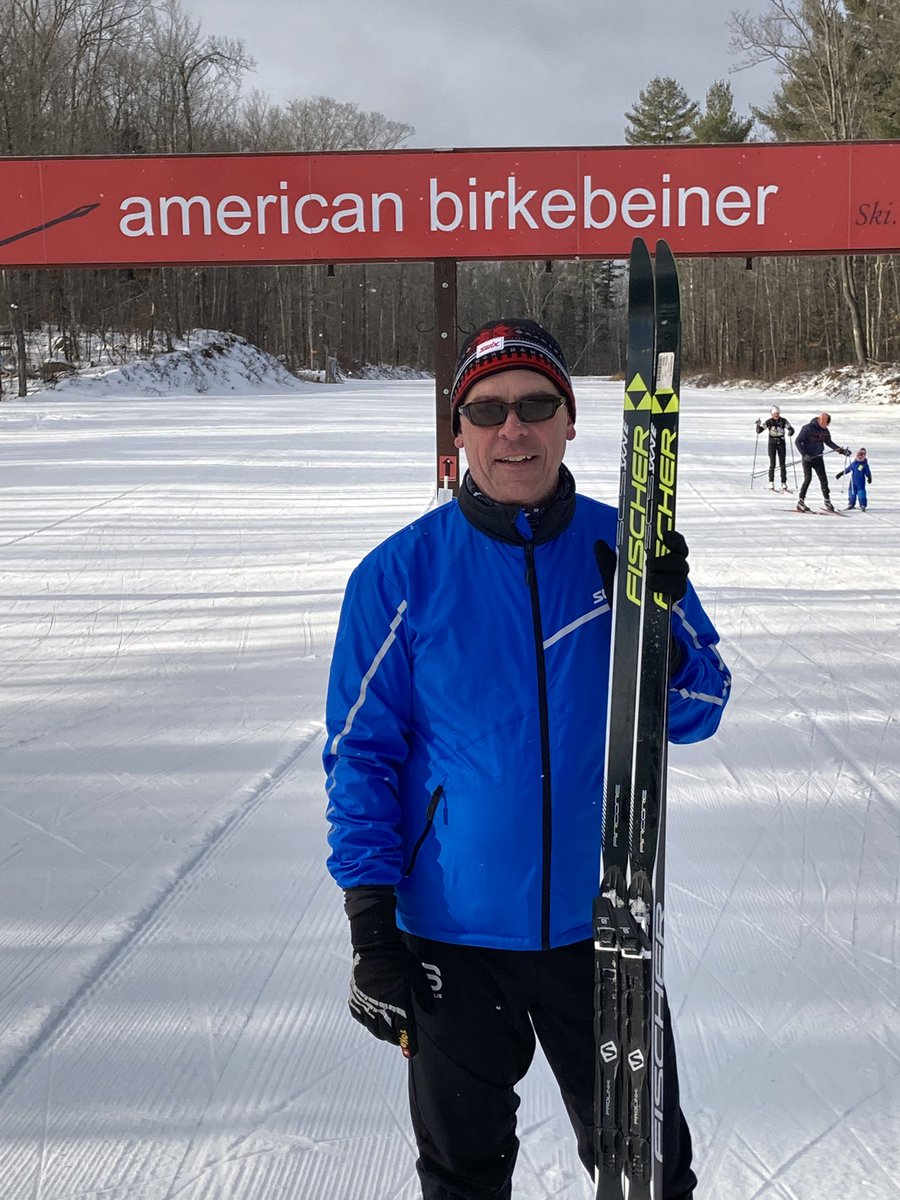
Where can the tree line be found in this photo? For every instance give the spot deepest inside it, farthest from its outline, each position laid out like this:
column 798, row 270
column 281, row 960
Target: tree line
column 122, row 76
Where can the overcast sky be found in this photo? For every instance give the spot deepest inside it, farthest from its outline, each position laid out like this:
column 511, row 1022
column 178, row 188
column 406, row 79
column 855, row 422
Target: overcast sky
column 489, row 72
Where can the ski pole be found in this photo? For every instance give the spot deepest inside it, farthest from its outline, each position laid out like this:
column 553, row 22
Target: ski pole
column 753, row 468
column 794, row 465
column 844, row 482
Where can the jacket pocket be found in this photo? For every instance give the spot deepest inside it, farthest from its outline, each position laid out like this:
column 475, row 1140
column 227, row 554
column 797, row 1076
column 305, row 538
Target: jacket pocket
column 429, row 821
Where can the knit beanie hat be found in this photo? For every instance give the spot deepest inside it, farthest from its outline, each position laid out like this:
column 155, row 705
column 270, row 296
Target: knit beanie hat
column 512, row 342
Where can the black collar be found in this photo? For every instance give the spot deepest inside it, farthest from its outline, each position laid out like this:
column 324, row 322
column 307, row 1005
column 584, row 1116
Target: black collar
column 500, row 520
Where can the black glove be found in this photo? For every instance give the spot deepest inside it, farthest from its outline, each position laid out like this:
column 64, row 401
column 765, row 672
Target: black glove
column 668, row 573
column 840, row 475
column 606, row 561
column 843, row 450
column 385, row 973
column 759, row 427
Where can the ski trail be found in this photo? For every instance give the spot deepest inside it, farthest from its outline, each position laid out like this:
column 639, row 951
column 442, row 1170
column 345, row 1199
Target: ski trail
column 44, row 1139
column 866, row 774
column 63, row 841
column 57, row 1021
column 71, row 517
column 175, row 1189
column 209, row 1054
column 839, row 1123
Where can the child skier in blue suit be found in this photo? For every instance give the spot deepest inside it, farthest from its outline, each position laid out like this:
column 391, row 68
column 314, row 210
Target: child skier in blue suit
column 860, row 475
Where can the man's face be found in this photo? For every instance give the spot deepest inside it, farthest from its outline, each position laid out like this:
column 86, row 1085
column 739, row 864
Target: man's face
column 516, row 462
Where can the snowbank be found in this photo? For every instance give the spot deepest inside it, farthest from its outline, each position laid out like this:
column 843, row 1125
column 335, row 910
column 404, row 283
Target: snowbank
column 212, row 362
column 875, row 384
column 215, row 362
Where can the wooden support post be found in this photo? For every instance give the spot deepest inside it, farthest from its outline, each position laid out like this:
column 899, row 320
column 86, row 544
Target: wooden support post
column 21, row 361
column 444, row 365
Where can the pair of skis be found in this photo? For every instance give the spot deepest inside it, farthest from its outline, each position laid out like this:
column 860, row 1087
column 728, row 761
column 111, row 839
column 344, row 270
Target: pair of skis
column 629, row 911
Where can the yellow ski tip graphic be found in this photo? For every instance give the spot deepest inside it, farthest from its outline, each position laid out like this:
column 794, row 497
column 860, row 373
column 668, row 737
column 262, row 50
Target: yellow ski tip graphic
column 664, row 402
column 637, row 395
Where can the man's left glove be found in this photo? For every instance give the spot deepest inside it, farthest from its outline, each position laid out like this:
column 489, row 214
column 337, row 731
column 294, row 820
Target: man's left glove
column 385, row 972
column 668, row 573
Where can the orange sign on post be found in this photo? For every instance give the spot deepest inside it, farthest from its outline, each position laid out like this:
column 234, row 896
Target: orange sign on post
column 447, row 467
column 797, row 198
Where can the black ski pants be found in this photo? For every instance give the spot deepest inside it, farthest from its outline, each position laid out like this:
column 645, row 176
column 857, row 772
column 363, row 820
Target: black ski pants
column 477, row 1044
column 816, row 464
column 777, row 454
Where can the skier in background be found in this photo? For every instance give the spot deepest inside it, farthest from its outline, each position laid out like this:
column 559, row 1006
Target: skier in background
column 811, row 442
column 466, row 720
column 860, row 474
column 777, row 426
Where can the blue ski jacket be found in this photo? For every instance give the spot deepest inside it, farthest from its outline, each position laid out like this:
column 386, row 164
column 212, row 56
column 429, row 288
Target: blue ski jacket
column 466, row 720
column 859, row 473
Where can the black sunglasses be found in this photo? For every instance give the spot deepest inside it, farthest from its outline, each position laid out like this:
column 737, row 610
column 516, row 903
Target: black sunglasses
column 530, row 409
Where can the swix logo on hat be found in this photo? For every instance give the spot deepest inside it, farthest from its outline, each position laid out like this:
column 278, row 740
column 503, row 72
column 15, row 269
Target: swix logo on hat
column 494, row 343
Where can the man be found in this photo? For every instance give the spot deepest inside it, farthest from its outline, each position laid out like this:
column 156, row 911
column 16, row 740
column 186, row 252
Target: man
column 777, row 427
column 466, row 728
column 811, row 442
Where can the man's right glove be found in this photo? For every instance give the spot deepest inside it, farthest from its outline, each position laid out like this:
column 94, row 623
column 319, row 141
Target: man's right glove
column 385, row 973
column 668, row 573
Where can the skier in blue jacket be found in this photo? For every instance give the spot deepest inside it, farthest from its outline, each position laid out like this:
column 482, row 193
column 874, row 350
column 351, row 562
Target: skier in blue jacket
column 466, row 718
column 860, row 474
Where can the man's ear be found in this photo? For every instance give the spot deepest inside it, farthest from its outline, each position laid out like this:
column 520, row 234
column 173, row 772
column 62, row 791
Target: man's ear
column 458, row 441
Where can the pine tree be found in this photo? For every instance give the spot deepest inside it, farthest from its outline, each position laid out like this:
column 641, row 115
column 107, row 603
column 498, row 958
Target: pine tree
column 719, row 122
column 827, row 73
column 874, row 26
column 664, row 114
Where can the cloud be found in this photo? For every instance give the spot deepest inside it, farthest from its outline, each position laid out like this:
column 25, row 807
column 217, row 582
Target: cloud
column 511, row 73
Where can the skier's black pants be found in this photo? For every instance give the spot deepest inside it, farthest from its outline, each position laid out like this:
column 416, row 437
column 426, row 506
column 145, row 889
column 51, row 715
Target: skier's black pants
column 479, row 1042
column 776, row 451
column 816, row 464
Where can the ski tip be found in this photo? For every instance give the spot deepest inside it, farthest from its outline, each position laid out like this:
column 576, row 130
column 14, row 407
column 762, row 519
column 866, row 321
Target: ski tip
column 664, row 256
column 640, row 254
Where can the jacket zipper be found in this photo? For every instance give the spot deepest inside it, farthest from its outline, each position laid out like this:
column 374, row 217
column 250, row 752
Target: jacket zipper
column 429, row 821
column 547, row 796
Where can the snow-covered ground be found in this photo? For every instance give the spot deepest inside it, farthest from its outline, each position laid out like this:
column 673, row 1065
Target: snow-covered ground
column 174, row 961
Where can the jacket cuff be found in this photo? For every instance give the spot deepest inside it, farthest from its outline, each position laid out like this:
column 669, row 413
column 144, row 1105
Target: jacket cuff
column 372, row 914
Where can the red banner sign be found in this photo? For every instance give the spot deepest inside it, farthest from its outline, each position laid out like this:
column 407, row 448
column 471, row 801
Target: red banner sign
column 464, row 204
